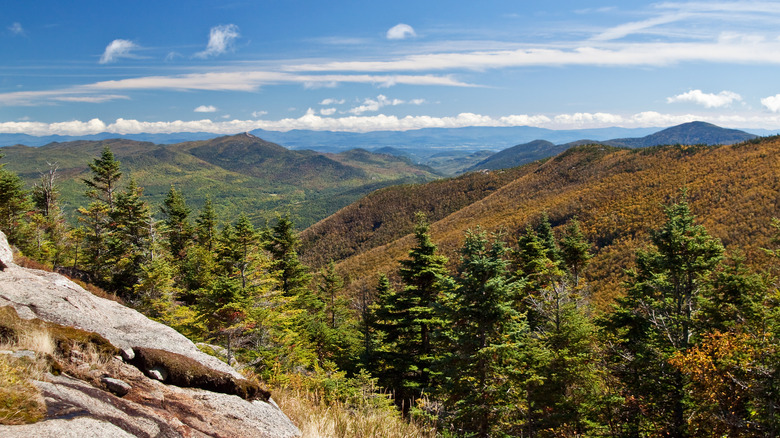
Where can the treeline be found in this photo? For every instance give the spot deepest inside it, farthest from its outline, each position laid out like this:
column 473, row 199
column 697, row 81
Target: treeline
column 504, row 343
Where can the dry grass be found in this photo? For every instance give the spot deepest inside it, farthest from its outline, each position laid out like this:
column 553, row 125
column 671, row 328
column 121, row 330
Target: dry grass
column 57, row 348
column 21, row 401
column 316, row 418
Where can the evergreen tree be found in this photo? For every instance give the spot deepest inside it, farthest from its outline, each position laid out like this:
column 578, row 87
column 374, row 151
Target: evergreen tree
column 96, row 219
column 574, row 251
column 14, row 202
column 130, row 239
column 424, row 276
column 657, row 319
column 558, row 320
column 206, row 226
column 487, row 338
column 337, row 339
column 379, row 336
column 282, row 243
column 105, row 178
column 175, row 216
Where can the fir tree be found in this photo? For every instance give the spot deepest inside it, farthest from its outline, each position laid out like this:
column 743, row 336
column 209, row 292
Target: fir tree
column 14, row 202
column 282, row 243
column 105, row 178
column 175, row 213
column 486, row 337
column 206, row 226
column 424, row 275
column 656, row 320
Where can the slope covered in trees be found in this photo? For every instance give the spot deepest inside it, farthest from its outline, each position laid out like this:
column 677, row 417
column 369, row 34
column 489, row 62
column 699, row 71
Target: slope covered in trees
column 603, row 292
column 615, row 193
column 239, row 173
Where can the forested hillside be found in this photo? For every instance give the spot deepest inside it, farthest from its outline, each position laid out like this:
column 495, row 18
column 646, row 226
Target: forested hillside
column 602, row 292
column 239, row 173
column 615, row 194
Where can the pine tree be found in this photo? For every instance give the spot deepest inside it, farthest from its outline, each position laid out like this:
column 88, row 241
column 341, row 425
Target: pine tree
column 105, row 178
column 486, row 340
column 656, row 320
column 424, row 275
column 556, row 311
column 130, row 239
column 14, row 202
column 338, row 337
column 206, row 226
column 282, row 243
column 96, row 219
column 175, row 213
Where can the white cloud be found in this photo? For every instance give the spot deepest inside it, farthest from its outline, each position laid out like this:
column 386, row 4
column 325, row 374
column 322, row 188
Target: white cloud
column 16, row 29
column 118, row 49
column 328, row 111
column 206, row 109
column 332, row 102
column 352, row 123
column 417, row 101
column 220, row 40
column 375, row 104
column 400, row 32
column 258, row 114
column 772, row 103
column 708, row 100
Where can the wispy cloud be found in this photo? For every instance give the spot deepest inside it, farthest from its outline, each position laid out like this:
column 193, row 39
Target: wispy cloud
column 17, row 29
column 246, row 81
column 725, row 50
column 400, row 32
column 91, row 99
column 626, row 29
column 206, row 109
column 118, row 49
column 258, row 114
column 708, row 100
column 332, row 102
column 221, row 40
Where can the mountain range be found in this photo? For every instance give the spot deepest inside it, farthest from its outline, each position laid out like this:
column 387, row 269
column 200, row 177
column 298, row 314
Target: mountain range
column 617, row 194
column 246, row 173
column 687, row 133
column 239, row 173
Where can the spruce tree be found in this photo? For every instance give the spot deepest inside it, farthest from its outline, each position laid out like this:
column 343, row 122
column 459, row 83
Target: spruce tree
column 424, row 276
column 14, row 202
column 487, row 340
column 282, row 243
column 105, row 178
column 657, row 319
column 206, row 226
column 130, row 242
column 175, row 216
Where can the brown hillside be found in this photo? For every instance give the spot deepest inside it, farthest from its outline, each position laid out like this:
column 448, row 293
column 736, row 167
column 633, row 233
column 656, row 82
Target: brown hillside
column 618, row 196
column 384, row 215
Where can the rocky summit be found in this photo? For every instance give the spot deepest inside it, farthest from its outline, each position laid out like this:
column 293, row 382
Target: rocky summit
column 155, row 382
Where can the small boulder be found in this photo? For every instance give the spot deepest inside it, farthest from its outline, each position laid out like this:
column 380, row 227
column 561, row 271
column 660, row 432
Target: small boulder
column 116, row 386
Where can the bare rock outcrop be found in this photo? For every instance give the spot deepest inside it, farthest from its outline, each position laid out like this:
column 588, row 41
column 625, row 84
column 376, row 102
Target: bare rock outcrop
column 85, row 405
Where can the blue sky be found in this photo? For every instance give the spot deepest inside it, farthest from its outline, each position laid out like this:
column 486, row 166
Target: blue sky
column 85, row 67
